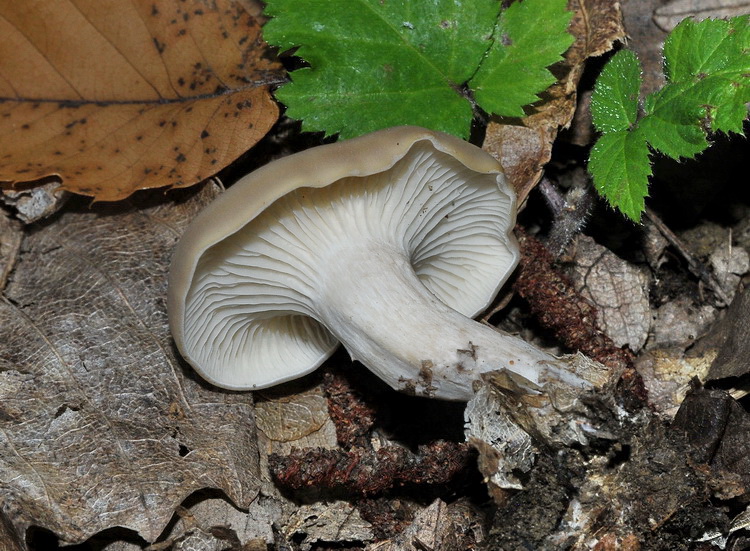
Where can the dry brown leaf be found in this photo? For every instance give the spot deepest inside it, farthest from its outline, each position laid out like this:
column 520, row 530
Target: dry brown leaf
column 524, row 147
column 101, row 424
column 253, row 526
column 290, row 417
column 732, row 359
column 114, row 96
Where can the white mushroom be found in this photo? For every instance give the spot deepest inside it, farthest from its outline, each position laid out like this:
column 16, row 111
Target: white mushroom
column 387, row 243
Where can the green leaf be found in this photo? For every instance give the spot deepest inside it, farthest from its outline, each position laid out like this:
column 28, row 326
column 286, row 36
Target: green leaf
column 620, row 161
column 529, row 37
column 375, row 64
column 614, row 103
column 672, row 125
column 708, row 70
column 707, row 65
column 694, row 49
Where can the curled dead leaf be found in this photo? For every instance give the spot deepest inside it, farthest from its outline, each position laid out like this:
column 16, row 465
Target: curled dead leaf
column 524, row 146
column 114, row 96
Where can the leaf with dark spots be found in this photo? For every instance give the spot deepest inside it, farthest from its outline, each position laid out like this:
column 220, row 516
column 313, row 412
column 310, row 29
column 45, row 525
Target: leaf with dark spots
column 102, row 425
column 122, row 77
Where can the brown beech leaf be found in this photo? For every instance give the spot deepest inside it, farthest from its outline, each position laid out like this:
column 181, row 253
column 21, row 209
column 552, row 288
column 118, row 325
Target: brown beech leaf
column 524, row 146
column 101, row 424
column 113, row 96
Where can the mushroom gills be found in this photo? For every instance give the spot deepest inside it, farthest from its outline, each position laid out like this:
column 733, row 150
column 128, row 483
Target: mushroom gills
column 389, row 264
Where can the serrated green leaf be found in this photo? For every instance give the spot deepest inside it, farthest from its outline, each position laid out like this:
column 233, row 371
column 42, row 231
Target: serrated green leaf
column 375, row 64
column 614, row 103
column 529, row 37
column 712, row 46
column 707, row 65
column 620, row 166
column 672, row 126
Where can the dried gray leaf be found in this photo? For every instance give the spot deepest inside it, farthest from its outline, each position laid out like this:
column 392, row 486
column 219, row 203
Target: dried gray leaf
column 10, row 243
column 729, row 265
column 439, row 527
column 251, row 524
column 668, row 15
column 332, row 522
column 654, row 244
column 198, row 540
column 679, row 322
column 618, row 289
column 32, row 205
column 102, row 425
column 505, row 450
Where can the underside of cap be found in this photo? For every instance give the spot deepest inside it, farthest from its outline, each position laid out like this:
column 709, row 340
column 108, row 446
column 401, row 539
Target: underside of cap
column 248, row 317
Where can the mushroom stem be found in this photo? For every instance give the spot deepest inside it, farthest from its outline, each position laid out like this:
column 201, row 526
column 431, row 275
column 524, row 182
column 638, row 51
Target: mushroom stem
column 388, row 320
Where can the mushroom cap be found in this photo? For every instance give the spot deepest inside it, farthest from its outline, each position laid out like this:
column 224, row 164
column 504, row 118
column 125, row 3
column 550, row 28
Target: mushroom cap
column 319, row 167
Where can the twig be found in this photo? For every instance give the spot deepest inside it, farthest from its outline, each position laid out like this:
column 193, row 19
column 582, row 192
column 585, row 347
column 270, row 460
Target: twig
column 570, row 212
column 696, row 267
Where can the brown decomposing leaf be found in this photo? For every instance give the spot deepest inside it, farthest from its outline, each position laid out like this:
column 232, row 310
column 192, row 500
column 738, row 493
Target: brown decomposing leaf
column 290, row 417
column 524, row 146
column 102, row 424
column 114, row 96
column 248, row 529
column 733, row 359
column 717, row 429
